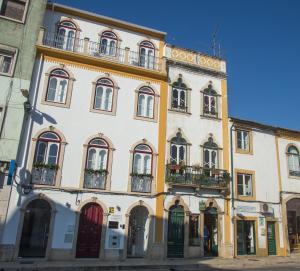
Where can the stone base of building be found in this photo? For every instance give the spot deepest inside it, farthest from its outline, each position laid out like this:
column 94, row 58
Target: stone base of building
column 226, row 251
column 157, row 251
column 57, row 254
column 7, row 253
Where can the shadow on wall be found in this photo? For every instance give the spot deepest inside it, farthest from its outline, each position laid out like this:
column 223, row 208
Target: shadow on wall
column 38, row 117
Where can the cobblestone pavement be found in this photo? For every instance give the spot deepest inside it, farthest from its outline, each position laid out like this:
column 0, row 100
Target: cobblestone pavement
column 205, row 264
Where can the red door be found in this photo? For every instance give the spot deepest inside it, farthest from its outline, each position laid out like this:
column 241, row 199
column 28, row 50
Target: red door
column 89, row 231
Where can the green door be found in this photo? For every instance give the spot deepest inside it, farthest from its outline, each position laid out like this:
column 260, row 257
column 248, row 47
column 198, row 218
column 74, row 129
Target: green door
column 176, row 232
column 271, row 238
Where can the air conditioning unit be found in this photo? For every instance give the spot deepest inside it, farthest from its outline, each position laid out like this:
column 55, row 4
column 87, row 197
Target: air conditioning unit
column 266, row 209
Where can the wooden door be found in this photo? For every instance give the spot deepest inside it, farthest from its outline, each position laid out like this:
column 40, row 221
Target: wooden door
column 176, row 232
column 35, row 230
column 89, row 231
column 271, row 238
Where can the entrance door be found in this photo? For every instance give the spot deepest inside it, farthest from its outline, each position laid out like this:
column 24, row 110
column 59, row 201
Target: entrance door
column 271, row 238
column 35, row 230
column 211, row 232
column 89, row 231
column 176, row 232
column 138, row 232
column 245, row 238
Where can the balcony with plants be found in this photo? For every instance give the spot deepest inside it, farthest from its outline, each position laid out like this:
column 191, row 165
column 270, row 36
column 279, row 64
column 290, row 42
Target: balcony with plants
column 44, row 174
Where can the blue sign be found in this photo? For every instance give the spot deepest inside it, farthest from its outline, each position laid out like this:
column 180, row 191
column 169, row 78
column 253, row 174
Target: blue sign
column 11, row 171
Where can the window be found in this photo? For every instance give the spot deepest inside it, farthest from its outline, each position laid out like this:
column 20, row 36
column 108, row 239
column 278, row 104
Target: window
column 142, row 169
column 210, row 154
column 57, row 86
column 178, row 150
column 145, row 103
column 14, row 9
column 96, row 164
column 293, row 161
column 45, row 162
column 147, row 55
column 243, row 140
column 7, row 59
column 210, row 102
column 66, row 35
column 179, row 96
column 108, row 43
column 244, row 185
column 104, row 95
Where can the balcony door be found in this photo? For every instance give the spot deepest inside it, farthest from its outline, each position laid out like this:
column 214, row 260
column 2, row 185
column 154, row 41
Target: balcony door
column 178, row 150
column 35, row 230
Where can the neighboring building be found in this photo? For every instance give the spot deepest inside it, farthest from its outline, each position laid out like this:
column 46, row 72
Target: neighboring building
column 129, row 152
column 20, row 22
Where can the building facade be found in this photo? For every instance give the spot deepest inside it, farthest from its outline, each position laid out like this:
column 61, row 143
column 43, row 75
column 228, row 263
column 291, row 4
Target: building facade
column 19, row 26
column 129, row 152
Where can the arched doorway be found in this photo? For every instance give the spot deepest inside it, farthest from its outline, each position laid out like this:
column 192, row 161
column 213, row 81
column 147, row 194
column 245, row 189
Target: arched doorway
column 35, row 231
column 176, row 232
column 89, row 231
column 293, row 222
column 210, row 231
column 138, row 232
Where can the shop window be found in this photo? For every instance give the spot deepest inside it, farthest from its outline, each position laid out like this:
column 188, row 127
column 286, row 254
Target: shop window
column 246, row 238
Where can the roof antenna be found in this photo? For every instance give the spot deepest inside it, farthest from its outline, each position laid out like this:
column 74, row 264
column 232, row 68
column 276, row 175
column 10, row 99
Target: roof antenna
column 214, row 42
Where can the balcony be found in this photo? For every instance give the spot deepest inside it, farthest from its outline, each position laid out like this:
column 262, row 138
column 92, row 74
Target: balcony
column 85, row 47
column 43, row 174
column 198, row 177
column 141, row 182
column 95, row 179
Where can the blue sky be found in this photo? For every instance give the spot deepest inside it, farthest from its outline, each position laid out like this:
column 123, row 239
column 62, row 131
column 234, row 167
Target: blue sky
column 259, row 38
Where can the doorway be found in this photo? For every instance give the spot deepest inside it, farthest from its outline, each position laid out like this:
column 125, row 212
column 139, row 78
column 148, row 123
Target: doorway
column 35, row 231
column 293, row 222
column 176, row 232
column 271, row 237
column 246, row 244
column 210, row 232
column 138, row 232
column 89, row 231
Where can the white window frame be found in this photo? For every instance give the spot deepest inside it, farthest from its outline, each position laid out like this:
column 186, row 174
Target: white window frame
column 244, row 186
column 67, row 43
column 177, row 160
column 24, row 14
column 177, row 101
column 147, row 55
column 10, row 52
column 59, row 80
column 144, row 109
column 106, row 99
column 110, row 38
column 295, row 158
column 244, row 140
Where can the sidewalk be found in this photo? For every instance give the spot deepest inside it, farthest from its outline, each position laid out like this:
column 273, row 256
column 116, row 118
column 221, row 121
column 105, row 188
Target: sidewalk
column 135, row 264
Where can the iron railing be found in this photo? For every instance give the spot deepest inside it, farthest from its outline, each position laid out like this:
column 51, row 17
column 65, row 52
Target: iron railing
column 195, row 176
column 102, row 51
column 95, row 180
column 43, row 175
column 141, row 183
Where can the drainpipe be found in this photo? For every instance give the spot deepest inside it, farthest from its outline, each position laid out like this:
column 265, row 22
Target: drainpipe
column 232, row 188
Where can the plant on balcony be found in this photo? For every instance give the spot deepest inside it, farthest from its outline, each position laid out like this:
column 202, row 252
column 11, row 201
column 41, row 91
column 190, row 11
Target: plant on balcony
column 141, row 175
column 96, row 171
column 39, row 166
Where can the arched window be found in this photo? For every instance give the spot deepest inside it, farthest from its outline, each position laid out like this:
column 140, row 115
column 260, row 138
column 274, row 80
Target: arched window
column 178, row 150
column 45, row 162
column 293, row 161
column 147, row 55
column 179, row 96
column 104, row 92
column 66, row 33
column 210, row 102
column 96, row 164
column 57, row 86
column 108, row 43
column 142, row 169
column 145, row 102
column 210, row 154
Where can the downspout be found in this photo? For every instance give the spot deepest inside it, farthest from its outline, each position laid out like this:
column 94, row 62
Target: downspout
column 232, row 188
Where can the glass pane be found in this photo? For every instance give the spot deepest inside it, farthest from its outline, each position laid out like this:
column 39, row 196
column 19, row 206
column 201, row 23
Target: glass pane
column 175, row 98
column 182, row 153
column 149, row 112
column 102, row 159
column 141, row 102
column 112, row 48
column 103, row 48
column 206, row 158
column 52, row 155
column 248, row 185
column 91, row 159
column 98, row 98
column 13, row 9
column 174, row 154
column 142, row 57
column 108, row 99
column 213, row 159
column 49, row 135
column 41, row 151
column 6, row 63
column 143, row 147
column 182, row 99
column 70, row 40
column 137, row 163
column 62, row 91
column 147, row 164
column 52, row 89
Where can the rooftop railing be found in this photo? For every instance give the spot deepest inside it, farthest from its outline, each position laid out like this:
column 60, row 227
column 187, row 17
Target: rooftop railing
column 98, row 50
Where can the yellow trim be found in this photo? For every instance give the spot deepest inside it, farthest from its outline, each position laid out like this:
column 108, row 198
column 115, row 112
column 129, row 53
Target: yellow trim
column 161, row 48
column 99, row 64
column 252, row 173
column 241, row 151
column 247, row 218
column 161, row 162
column 227, row 220
column 106, row 21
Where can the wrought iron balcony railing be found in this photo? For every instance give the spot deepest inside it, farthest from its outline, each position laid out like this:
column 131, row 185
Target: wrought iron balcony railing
column 294, row 173
column 141, row 183
column 95, row 179
column 98, row 50
column 43, row 174
column 198, row 177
